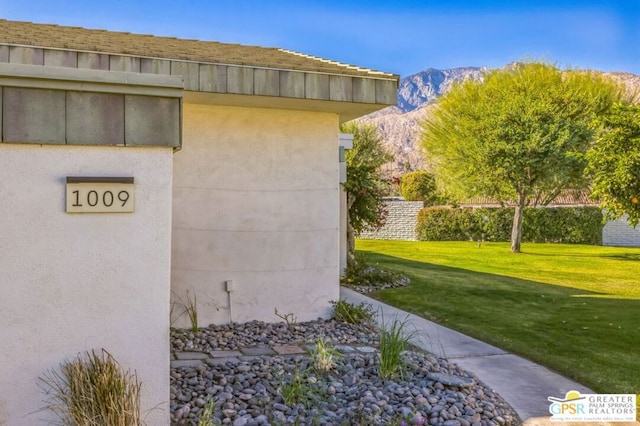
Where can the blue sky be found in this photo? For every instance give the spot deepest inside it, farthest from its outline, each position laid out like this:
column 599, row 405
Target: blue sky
column 403, row 37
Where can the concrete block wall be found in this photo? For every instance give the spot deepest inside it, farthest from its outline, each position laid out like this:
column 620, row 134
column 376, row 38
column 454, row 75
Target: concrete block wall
column 620, row 233
column 402, row 218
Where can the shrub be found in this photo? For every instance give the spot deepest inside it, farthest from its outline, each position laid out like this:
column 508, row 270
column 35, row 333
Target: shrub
column 446, row 224
column 93, row 390
column 360, row 273
column 419, row 186
column 352, row 314
column 393, row 342
column 572, row 225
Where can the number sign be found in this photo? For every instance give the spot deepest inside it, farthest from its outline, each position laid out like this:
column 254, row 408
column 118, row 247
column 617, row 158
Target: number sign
column 100, row 195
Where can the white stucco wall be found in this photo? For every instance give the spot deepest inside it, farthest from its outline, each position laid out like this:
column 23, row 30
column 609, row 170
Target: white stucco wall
column 256, row 201
column 619, row 233
column 76, row 282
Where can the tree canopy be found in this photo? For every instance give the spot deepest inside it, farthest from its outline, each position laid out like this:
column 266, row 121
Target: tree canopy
column 519, row 136
column 365, row 185
column 614, row 162
column 419, row 185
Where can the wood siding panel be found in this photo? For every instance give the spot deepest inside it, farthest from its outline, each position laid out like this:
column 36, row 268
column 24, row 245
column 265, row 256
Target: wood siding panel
column 213, row 78
column 386, row 92
column 61, row 58
column 190, row 72
column 155, row 66
column 26, row 55
column 124, row 63
column 340, row 88
column 317, row 86
column 364, row 90
column 93, row 61
column 33, row 116
column 266, row 82
column 240, row 80
column 292, row 84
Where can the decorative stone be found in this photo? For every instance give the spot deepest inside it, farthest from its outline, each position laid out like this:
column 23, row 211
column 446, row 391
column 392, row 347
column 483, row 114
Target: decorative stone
column 448, row 380
column 288, row 349
column 248, row 389
column 257, row 351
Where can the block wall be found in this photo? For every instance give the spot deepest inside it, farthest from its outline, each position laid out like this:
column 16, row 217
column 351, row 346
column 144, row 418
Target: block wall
column 402, row 218
column 620, row 233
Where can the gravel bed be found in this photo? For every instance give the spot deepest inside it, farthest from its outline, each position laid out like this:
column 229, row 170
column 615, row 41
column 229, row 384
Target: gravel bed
column 233, row 336
column 431, row 391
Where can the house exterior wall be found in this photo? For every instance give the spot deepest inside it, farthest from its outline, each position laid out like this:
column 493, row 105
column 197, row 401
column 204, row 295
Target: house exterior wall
column 77, row 282
column 402, row 218
column 619, row 233
column 255, row 201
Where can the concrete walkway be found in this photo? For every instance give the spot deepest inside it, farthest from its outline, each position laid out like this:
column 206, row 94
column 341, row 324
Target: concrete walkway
column 523, row 384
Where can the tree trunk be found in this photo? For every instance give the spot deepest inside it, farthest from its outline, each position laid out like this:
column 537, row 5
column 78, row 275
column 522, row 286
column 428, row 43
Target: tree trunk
column 351, row 235
column 516, row 230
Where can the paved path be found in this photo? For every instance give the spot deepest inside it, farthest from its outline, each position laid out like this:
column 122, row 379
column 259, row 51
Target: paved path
column 523, row 384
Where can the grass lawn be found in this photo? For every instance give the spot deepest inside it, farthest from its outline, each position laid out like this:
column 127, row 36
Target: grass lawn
column 575, row 309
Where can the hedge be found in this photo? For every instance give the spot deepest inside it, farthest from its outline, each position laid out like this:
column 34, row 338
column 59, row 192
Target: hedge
column 572, row 225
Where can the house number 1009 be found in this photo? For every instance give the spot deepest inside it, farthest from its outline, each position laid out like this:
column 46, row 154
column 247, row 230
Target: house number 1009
column 100, row 195
column 93, row 198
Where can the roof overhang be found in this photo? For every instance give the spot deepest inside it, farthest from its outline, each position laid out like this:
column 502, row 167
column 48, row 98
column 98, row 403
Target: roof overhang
column 346, row 110
column 348, row 96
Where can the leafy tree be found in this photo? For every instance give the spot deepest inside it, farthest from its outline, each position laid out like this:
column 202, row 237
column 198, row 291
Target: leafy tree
column 614, row 162
column 419, row 186
column 365, row 185
column 519, row 136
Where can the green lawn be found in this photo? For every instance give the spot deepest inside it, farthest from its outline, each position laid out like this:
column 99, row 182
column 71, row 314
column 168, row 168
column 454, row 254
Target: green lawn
column 575, row 309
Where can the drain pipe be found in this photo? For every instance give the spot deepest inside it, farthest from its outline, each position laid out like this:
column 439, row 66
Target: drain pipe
column 229, row 287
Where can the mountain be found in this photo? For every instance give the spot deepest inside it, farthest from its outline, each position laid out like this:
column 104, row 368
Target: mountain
column 424, row 87
column 399, row 125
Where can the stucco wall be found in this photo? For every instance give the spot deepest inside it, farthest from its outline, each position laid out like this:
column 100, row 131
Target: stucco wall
column 620, row 233
column 256, row 201
column 77, row 282
column 402, row 218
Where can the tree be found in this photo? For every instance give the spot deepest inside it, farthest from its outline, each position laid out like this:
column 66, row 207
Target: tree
column 614, row 162
column 365, row 185
column 519, row 136
column 419, row 186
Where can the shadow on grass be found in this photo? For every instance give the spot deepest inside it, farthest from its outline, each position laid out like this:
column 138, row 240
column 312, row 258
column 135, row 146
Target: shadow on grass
column 627, row 256
column 589, row 339
column 457, row 275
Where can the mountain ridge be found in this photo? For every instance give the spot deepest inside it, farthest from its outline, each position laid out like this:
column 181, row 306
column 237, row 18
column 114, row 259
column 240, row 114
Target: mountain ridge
column 399, row 125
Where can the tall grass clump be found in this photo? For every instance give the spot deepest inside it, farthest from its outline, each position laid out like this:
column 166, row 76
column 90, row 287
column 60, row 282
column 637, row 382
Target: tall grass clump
column 190, row 307
column 393, row 342
column 206, row 419
column 324, row 356
column 93, row 390
column 351, row 313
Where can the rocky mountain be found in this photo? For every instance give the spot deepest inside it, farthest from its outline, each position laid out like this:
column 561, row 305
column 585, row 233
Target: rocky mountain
column 400, row 125
column 424, row 87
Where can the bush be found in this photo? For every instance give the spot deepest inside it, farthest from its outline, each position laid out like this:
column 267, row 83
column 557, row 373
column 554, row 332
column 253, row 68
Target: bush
column 94, row 390
column 419, row 186
column 360, row 274
column 572, row 225
column 446, row 224
column 353, row 314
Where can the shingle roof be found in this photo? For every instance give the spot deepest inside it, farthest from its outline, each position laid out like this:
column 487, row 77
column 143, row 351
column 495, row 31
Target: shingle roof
column 150, row 46
column 566, row 198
